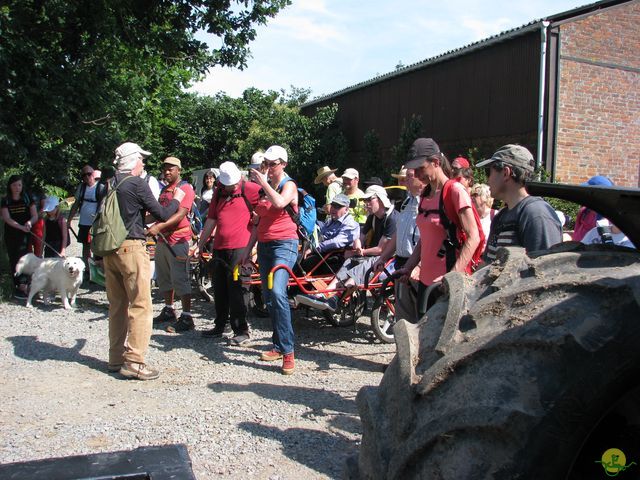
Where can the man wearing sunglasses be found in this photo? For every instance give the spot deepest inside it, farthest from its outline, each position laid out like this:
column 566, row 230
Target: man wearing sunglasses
column 86, row 203
column 525, row 221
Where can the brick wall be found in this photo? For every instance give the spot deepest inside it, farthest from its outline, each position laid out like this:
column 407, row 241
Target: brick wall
column 599, row 97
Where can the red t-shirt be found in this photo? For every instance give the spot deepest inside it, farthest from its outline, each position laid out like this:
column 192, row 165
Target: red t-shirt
column 275, row 223
column 181, row 232
column 432, row 233
column 232, row 216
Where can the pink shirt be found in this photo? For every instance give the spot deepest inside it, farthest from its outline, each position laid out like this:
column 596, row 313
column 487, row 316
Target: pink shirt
column 181, row 232
column 432, row 233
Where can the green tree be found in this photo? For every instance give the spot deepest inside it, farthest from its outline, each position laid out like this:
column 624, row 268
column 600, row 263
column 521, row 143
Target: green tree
column 79, row 76
column 409, row 131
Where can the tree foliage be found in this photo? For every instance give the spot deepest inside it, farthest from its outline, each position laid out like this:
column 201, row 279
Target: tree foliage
column 78, row 76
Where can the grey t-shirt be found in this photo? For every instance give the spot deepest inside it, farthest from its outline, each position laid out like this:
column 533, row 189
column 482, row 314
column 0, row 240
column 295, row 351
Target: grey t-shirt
column 532, row 224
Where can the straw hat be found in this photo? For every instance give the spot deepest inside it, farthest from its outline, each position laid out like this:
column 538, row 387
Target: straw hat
column 401, row 174
column 323, row 172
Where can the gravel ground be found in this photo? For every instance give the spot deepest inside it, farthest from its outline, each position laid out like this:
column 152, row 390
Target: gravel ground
column 238, row 416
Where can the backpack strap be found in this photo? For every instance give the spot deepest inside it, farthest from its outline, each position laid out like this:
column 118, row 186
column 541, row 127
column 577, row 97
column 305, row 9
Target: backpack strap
column 450, row 244
column 246, row 200
column 295, row 216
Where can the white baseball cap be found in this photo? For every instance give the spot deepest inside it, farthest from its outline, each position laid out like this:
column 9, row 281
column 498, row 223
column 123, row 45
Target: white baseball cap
column 50, row 204
column 229, row 174
column 351, row 173
column 276, row 152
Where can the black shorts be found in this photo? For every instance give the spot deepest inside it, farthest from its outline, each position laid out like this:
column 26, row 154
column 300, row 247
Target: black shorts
column 83, row 234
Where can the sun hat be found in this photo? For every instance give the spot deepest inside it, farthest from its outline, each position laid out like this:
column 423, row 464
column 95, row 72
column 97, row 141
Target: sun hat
column 401, row 174
column 323, row 172
column 127, row 149
column 379, row 192
column 351, row 173
column 421, row 149
column 514, row 155
column 50, row 204
column 276, row 152
column 229, row 174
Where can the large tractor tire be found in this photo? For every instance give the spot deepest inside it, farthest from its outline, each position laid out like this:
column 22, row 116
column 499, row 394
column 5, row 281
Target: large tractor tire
column 510, row 371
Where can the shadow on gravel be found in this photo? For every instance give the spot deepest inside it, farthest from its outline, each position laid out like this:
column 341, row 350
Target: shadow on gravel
column 323, row 452
column 321, row 402
column 29, row 347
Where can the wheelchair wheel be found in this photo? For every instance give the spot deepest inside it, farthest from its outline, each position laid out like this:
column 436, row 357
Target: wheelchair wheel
column 348, row 314
column 383, row 319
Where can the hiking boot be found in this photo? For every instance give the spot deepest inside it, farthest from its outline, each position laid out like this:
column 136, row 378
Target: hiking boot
column 213, row 333
column 139, row 371
column 184, row 323
column 288, row 365
column 240, row 339
column 114, row 367
column 167, row 314
column 271, row 356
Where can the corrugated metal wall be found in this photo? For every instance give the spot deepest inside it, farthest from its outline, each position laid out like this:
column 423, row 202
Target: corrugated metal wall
column 489, row 93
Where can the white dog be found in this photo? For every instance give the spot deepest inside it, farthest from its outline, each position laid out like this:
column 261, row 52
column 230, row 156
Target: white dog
column 62, row 275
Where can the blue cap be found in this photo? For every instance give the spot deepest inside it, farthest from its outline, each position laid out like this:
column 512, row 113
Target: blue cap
column 599, row 181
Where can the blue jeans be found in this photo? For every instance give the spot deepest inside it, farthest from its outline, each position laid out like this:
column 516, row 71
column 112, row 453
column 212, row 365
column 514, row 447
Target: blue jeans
column 270, row 254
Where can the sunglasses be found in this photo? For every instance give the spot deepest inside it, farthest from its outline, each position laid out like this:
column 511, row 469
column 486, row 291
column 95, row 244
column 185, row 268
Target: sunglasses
column 272, row 164
column 87, row 174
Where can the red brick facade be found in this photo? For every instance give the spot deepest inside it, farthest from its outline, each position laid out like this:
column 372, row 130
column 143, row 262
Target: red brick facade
column 599, row 97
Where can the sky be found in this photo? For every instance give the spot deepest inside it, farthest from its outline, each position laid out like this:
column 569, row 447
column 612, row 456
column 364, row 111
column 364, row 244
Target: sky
column 328, row 45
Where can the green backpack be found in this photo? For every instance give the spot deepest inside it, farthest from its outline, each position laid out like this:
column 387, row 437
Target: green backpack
column 108, row 230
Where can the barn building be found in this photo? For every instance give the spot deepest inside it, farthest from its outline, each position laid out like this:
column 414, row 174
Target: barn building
column 566, row 86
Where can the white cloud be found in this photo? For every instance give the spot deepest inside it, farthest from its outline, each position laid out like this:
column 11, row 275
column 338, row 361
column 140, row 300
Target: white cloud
column 486, row 28
column 307, row 28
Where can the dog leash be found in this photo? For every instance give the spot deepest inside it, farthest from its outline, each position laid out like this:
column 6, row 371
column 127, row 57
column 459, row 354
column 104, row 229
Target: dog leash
column 47, row 244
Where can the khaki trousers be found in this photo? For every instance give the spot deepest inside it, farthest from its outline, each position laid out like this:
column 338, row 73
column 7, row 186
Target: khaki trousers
column 128, row 282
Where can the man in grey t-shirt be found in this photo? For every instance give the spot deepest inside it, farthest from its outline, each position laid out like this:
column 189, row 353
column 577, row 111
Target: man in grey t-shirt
column 526, row 221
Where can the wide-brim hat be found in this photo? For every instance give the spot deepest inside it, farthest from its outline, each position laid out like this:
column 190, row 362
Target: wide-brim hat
column 401, row 174
column 323, row 172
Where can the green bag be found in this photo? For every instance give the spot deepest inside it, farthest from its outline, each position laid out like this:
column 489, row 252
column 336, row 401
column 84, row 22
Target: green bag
column 108, row 230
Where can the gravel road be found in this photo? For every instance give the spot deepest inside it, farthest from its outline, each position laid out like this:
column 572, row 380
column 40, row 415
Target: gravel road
column 238, row 416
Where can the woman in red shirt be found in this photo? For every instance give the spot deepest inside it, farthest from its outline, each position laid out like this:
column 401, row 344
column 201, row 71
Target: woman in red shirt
column 277, row 236
column 433, row 169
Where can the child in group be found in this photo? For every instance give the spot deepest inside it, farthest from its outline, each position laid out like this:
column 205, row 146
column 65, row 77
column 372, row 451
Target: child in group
column 55, row 227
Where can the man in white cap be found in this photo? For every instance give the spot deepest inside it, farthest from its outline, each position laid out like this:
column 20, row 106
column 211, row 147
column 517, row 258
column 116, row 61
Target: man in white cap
column 230, row 215
column 328, row 178
column 350, row 179
column 377, row 231
column 257, row 163
column 172, row 250
column 127, row 270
